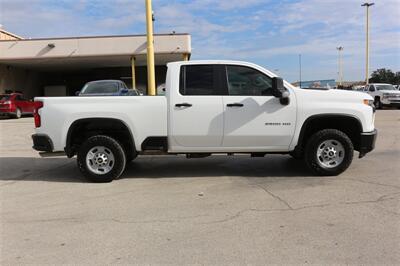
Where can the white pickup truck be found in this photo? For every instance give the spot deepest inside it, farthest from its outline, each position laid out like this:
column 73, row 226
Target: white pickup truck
column 384, row 95
column 210, row 107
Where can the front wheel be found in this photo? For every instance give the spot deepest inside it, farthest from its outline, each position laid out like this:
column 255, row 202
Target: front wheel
column 101, row 159
column 329, row 152
column 378, row 104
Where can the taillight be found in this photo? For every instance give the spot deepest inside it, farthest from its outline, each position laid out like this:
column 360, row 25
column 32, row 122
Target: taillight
column 36, row 115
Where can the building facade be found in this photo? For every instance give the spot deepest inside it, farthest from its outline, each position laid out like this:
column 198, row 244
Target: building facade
column 61, row 66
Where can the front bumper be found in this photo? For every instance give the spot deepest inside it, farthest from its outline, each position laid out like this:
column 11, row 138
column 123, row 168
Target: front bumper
column 42, row 142
column 367, row 142
column 390, row 101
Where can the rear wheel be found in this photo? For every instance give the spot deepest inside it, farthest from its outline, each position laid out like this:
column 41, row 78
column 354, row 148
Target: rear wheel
column 101, row 159
column 329, row 152
column 18, row 113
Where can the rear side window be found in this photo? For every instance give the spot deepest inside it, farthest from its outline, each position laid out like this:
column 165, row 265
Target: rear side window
column 198, row 80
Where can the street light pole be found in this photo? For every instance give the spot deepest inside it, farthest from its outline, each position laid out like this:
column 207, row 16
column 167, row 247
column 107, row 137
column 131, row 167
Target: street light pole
column 340, row 73
column 367, row 5
column 300, row 70
column 151, row 81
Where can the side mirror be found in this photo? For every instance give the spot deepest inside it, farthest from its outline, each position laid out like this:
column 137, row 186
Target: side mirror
column 279, row 91
column 77, row 93
column 277, row 87
column 124, row 91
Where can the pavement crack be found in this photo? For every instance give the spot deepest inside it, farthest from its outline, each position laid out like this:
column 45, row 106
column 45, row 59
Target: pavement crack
column 291, row 209
column 369, row 182
column 176, row 219
column 380, row 199
column 276, row 197
column 76, row 220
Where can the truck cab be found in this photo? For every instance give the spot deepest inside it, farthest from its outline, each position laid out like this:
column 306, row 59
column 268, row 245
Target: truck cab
column 209, row 107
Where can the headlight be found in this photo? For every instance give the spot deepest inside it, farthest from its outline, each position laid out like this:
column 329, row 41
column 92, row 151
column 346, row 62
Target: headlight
column 369, row 102
column 386, row 95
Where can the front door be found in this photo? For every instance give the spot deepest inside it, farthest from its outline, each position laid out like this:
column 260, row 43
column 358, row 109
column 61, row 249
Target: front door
column 195, row 110
column 254, row 119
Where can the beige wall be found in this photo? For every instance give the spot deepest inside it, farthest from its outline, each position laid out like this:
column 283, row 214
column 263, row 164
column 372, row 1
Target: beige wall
column 17, row 79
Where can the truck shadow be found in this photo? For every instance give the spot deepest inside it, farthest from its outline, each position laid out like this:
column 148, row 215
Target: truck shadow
column 65, row 170
column 218, row 165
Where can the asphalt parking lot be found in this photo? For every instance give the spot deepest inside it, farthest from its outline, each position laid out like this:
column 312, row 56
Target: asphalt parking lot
column 216, row 210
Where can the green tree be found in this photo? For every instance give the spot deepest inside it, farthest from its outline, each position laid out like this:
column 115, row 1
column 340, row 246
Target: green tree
column 383, row 75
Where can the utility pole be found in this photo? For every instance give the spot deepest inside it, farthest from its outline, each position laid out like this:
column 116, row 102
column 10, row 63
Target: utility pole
column 300, row 70
column 151, row 81
column 367, row 5
column 340, row 73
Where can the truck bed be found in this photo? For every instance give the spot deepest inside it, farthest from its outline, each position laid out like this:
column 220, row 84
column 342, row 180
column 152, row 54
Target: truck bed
column 144, row 115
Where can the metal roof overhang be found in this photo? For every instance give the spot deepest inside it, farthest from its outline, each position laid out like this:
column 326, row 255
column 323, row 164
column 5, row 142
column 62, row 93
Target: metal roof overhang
column 91, row 52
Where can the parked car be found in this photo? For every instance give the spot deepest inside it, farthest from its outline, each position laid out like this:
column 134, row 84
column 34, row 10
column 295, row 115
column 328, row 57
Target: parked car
column 107, row 88
column 15, row 105
column 209, row 107
column 383, row 94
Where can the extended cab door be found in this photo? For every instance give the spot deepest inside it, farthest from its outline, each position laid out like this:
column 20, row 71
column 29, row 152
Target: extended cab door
column 254, row 119
column 195, row 109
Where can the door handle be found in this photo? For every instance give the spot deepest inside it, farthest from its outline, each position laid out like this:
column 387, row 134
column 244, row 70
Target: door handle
column 234, row 105
column 183, row 105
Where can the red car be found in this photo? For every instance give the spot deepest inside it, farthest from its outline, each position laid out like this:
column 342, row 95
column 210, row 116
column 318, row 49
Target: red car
column 15, row 105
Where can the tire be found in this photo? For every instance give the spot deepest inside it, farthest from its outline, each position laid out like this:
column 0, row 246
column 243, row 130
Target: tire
column 18, row 113
column 101, row 159
column 378, row 104
column 329, row 152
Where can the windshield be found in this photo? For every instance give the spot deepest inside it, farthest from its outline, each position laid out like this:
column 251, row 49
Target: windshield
column 5, row 97
column 387, row 87
column 100, row 87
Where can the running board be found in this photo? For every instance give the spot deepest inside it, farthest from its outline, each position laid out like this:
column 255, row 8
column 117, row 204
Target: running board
column 46, row 154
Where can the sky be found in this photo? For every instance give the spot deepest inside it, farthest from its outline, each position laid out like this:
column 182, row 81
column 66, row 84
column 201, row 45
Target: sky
column 269, row 33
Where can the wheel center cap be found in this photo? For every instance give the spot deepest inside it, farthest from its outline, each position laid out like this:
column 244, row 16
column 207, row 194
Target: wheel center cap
column 101, row 159
column 330, row 153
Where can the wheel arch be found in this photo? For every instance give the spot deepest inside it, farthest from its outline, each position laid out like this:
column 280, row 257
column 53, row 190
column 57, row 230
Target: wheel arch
column 99, row 125
column 349, row 124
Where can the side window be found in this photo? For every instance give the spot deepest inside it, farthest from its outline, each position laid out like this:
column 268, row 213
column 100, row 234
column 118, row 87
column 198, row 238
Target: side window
column 197, row 80
column 248, row 81
column 18, row 98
